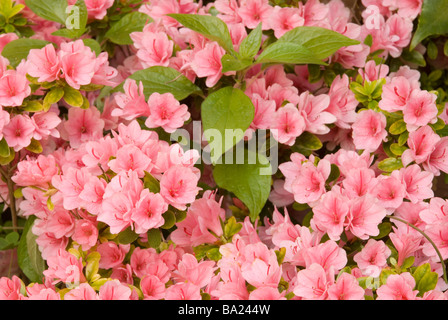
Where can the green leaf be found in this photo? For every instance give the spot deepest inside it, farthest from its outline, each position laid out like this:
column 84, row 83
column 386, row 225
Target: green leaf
column 334, row 174
column 397, row 149
column 93, row 44
column 251, row 44
column 288, row 52
column 210, row 27
column 28, row 255
column 306, row 143
column 214, row 254
column 12, row 238
column 385, row 228
column 403, row 138
column 4, row 149
column 54, row 10
column 127, row 236
column 35, row 146
column 432, row 50
column 33, row 106
column 231, row 228
column 431, row 21
column 414, row 57
column 321, row 42
column 73, row 97
column 162, row 80
column 6, row 160
column 390, row 164
column 131, row 22
column 251, row 183
column 8, row 10
column 151, row 183
column 154, row 238
column 92, row 265
column 408, row 262
column 425, row 279
column 53, row 96
column 398, row 127
column 230, row 63
column 226, row 115
column 170, row 220
column 19, row 49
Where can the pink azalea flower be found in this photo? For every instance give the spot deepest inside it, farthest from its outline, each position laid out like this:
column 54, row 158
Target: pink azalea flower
column 266, row 293
column 192, row 271
column 97, row 9
column 112, row 255
column 398, row 287
column 364, row 217
column 129, row 157
column 45, row 124
column 148, row 212
column 359, row 181
column 330, row 214
column 152, row 288
column 114, row 290
column 132, row 102
column 203, row 216
column 372, row 72
column 35, row 172
column 179, row 186
column 346, row 288
column 92, row 195
column 19, row 132
column 10, row 288
column 328, row 254
column 64, row 267
column 396, row 94
column 117, row 211
column 78, row 67
column 313, row 110
column 369, row 130
column 45, row 294
column 71, row 184
column 153, row 48
column 83, row 125
column 44, row 64
column 390, row 192
column 264, row 112
column 309, row 186
column 421, row 143
column 166, row 112
column 409, row 8
column 85, row 234
column 342, row 102
column 4, row 120
column 14, row 88
column 418, row 183
column 372, row 258
column 283, row 20
column 438, row 160
column 439, row 235
column 7, row 38
column 406, row 241
column 420, row 110
column 83, row 292
column 287, row 124
column 207, row 63
column 183, row 291
column 313, row 283
column 255, row 11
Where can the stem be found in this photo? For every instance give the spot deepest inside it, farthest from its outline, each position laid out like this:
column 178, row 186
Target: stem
column 445, row 277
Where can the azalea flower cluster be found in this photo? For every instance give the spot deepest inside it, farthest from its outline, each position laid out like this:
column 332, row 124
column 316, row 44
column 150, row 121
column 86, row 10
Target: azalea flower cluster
column 117, row 211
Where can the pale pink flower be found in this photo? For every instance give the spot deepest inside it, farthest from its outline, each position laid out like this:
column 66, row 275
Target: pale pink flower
column 369, row 130
column 114, row 290
column 45, row 294
column 406, row 241
column 61, row 224
column 287, row 124
column 14, row 88
column 178, row 186
column 255, row 11
column 132, row 102
column 183, row 291
column 78, row 68
column 148, row 212
column 10, row 288
column 328, row 255
column 421, row 144
column 19, row 132
column 418, row 183
column 64, row 267
column 342, row 102
column 266, row 293
column 309, row 186
column 112, row 255
column 153, row 48
column 166, row 112
column 346, row 287
column 129, row 157
column 92, row 195
column 359, row 181
column 313, row 283
column 44, row 64
column 390, row 192
column 83, row 292
column 364, row 217
column 285, row 19
column 409, row 8
column 97, row 9
column 207, row 63
column 117, row 211
column 192, row 271
column 372, row 72
column 71, row 184
column 105, row 74
column 420, row 110
column 396, row 94
column 330, row 214
column 7, row 38
column 439, row 235
column 398, row 287
column 85, row 234
column 152, row 288
column 45, row 124
column 35, row 172
column 83, row 125
column 4, row 120
column 264, row 112
column 372, row 258
column 436, row 213
column 313, row 110
column 438, row 160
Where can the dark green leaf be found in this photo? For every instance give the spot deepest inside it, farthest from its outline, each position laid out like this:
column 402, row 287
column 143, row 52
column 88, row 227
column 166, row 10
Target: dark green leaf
column 131, row 22
column 19, row 49
column 54, row 10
